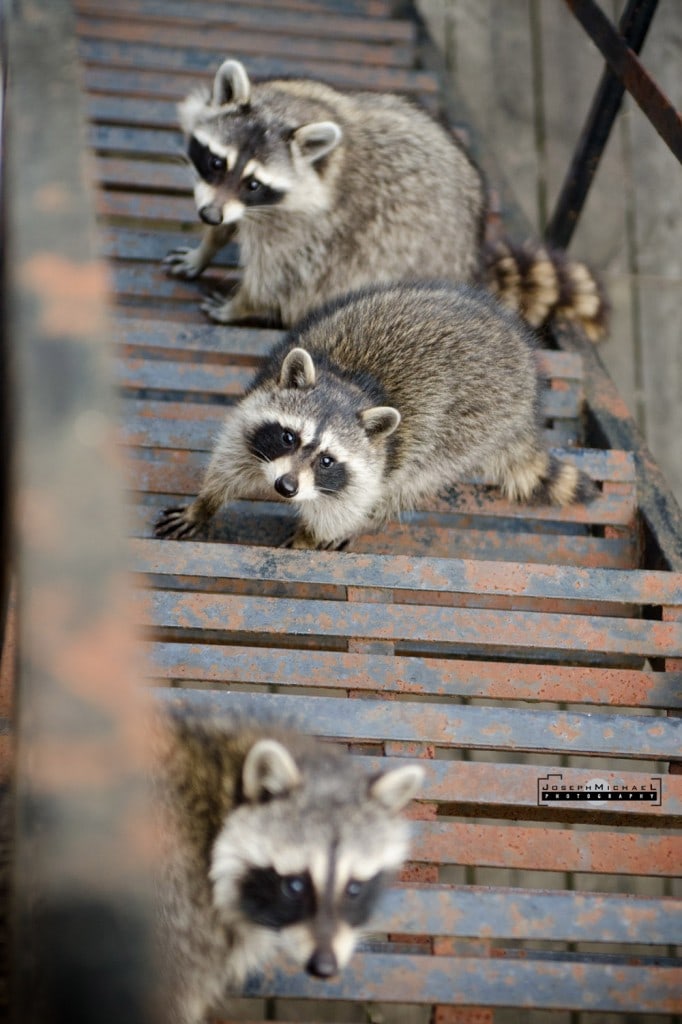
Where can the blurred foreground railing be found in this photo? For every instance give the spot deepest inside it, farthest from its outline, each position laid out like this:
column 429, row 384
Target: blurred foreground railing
column 79, row 929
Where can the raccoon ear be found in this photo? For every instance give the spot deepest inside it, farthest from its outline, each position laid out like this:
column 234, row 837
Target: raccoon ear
column 269, row 770
column 298, row 370
column 191, row 108
column 380, row 421
column 396, row 788
column 231, row 84
column 317, row 139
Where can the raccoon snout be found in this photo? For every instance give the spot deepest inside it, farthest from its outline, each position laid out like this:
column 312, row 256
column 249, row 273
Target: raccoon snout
column 322, row 964
column 286, row 485
column 211, row 215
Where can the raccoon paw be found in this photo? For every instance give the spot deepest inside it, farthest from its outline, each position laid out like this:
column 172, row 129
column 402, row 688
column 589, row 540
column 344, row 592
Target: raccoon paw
column 301, row 540
column 184, row 262
column 173, row 524
column 217, row 308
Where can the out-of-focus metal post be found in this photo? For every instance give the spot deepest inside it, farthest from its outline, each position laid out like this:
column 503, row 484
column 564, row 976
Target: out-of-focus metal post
column 83, row 847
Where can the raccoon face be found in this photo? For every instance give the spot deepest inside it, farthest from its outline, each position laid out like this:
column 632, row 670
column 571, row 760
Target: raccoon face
column 302, row 464
column 319, row 447
column 305, row 856
column 248, row 158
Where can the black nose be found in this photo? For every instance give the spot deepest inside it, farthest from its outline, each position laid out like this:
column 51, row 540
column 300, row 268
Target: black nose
column 211, row 215
column 322, row 964
column 286, row 485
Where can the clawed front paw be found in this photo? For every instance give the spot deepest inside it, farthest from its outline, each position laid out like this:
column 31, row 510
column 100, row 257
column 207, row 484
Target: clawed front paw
column 173, row 524
column 217, row 308
column 301, row 540
column 183, row 262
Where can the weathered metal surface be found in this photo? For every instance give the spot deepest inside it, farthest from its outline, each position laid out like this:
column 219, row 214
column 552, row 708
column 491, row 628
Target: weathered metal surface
column 475, row 911
column 83, row 849
column 454, row 727
column 125, row 139
column 132, row 244
column 513, row 630
column 207, row 16
column 198, row 338
column 508, row 846
column 203, row 62
column 220, row 39
column 483, row 982
column 498, row 680
column 484, row 790
column 475, row 577
column 137, row 174
column 611, row 425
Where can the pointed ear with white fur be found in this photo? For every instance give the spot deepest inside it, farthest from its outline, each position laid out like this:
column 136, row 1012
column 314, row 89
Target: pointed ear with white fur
column 269, row 770
column 231, row 84
column 298, row 370
column 317, row 139
column 191, row 108
column 394, row 789
column 381, row 421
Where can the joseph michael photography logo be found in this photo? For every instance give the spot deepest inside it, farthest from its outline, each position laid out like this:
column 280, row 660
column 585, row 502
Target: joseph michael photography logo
column 553, row 789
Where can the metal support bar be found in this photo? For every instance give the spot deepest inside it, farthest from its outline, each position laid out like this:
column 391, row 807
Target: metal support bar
column 636, row 79
column 81, row 929
column 5, row 398
column 633, row 27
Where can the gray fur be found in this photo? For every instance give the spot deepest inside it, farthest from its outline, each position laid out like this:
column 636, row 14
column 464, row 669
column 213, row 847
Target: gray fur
column 239, row 794
column 413, row 387
column 376, row 191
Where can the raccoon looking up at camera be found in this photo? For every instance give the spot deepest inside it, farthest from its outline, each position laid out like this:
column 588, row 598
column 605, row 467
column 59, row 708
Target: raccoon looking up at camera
column 377, row 402
column 328, row 191
column 274, row 842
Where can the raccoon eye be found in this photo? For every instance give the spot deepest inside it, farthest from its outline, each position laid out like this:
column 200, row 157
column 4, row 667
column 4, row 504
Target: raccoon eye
column 293, row 886
column 253, row 184
column 326, row 461
column 353, row 889
column 288, row 439
column 216, row 163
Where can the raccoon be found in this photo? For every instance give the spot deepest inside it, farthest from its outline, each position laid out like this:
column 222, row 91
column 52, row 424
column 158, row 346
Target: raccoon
column 379, row 401
column 273, row 842
column 329, row 191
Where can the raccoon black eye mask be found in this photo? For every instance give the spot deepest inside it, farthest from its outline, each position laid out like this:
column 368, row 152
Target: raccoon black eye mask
column 407, row 389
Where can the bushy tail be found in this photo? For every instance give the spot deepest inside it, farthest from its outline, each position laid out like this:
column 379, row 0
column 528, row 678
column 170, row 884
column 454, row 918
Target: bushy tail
column 542, row 479
column 540, row 283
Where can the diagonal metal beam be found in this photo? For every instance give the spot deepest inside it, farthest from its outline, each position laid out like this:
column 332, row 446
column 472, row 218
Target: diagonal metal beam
column 632, row 31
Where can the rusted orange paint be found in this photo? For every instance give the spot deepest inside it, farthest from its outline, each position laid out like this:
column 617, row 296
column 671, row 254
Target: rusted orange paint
column 69, row 296
column 512, row 846
column 462, row 1015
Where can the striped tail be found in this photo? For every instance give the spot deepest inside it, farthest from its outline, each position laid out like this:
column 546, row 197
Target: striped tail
column 543, row 479
column 540, row 283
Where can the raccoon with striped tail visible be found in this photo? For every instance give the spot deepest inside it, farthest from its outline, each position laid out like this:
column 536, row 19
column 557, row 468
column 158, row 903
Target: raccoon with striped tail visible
column 328, row 191
column 377, row 402
column 272, row 843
